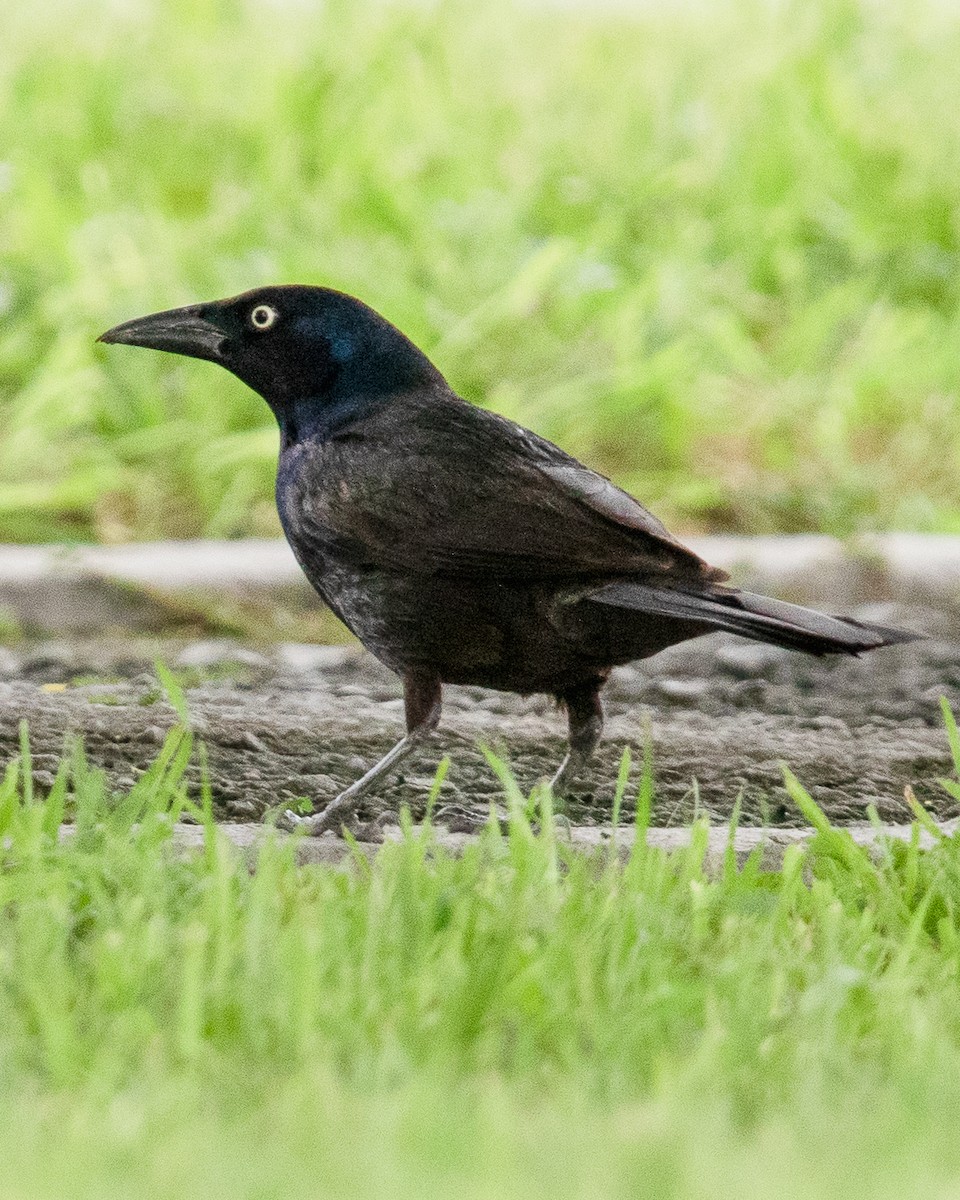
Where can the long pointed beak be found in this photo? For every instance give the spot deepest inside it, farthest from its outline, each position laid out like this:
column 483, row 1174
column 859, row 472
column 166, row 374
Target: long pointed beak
column 178, row 330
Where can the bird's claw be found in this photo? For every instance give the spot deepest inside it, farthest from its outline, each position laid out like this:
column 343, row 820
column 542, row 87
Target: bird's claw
column 312, row 824
column 316, row 824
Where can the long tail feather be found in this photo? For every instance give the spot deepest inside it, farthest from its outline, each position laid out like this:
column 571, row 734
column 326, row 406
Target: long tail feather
column 757, row 617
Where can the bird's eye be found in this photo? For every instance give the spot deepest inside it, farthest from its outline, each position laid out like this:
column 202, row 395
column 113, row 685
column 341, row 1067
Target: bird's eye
column 263, row 317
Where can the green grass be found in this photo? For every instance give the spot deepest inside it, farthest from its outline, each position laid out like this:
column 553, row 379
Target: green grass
column 518, row 1022
column 712, row 249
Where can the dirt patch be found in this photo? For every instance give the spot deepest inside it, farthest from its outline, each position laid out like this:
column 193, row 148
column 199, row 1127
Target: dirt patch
column 303, row 721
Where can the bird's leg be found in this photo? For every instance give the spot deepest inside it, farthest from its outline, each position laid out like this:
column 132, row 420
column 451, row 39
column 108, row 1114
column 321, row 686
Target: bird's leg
column 585, row 715
column 421, row 702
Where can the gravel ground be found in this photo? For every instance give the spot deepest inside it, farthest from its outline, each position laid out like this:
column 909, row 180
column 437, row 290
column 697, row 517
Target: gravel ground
column 302, row 721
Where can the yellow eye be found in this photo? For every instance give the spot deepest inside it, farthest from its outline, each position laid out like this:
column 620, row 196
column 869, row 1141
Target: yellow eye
column 263, row 317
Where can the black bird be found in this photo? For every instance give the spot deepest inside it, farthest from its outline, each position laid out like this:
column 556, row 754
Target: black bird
column 458, row 546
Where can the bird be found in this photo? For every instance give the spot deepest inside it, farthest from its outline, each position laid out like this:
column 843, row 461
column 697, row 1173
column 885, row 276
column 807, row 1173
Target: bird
column 458, row 546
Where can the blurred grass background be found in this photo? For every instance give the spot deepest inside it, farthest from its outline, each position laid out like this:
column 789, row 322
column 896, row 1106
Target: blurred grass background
column 711, row 249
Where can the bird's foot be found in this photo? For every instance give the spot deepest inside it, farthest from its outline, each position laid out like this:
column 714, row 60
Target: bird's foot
column 334, row 818
column 309, row 823
column 339, row 813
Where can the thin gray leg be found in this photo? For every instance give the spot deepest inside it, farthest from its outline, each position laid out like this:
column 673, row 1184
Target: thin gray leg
column 422, row 704
column 585, row 714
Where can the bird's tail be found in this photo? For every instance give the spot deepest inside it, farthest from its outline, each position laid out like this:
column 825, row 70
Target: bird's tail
column 757, row 617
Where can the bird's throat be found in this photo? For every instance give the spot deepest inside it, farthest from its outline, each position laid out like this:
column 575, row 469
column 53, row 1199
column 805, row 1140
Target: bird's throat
column 317, row 419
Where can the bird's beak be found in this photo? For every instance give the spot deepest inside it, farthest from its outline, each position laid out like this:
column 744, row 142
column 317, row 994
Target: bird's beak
column 178, row 330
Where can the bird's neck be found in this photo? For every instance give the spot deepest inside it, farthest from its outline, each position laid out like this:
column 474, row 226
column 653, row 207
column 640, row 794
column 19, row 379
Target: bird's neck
column 319, row 418
column 353, row 393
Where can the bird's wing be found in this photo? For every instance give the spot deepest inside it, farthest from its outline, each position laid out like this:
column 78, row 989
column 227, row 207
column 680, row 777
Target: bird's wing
column 437, row 486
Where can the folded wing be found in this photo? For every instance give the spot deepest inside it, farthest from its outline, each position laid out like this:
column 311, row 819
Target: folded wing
column 454, row 490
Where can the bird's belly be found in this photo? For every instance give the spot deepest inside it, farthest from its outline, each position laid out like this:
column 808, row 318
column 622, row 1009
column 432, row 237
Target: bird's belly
column 484, row 634
column 407, row 621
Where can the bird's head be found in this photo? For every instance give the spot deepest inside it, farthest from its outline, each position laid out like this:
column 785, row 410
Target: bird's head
column 319, row 358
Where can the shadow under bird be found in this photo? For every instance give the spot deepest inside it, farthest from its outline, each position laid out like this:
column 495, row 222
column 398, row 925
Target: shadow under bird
column 458, row 546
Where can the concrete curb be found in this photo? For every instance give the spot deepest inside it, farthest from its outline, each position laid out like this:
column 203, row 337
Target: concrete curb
column 85, row 589
column 249, row 839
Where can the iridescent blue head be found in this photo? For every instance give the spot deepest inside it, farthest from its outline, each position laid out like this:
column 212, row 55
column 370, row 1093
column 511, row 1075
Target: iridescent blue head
column 321, row 359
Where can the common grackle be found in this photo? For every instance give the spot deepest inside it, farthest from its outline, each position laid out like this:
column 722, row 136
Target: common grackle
column 458, row 546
